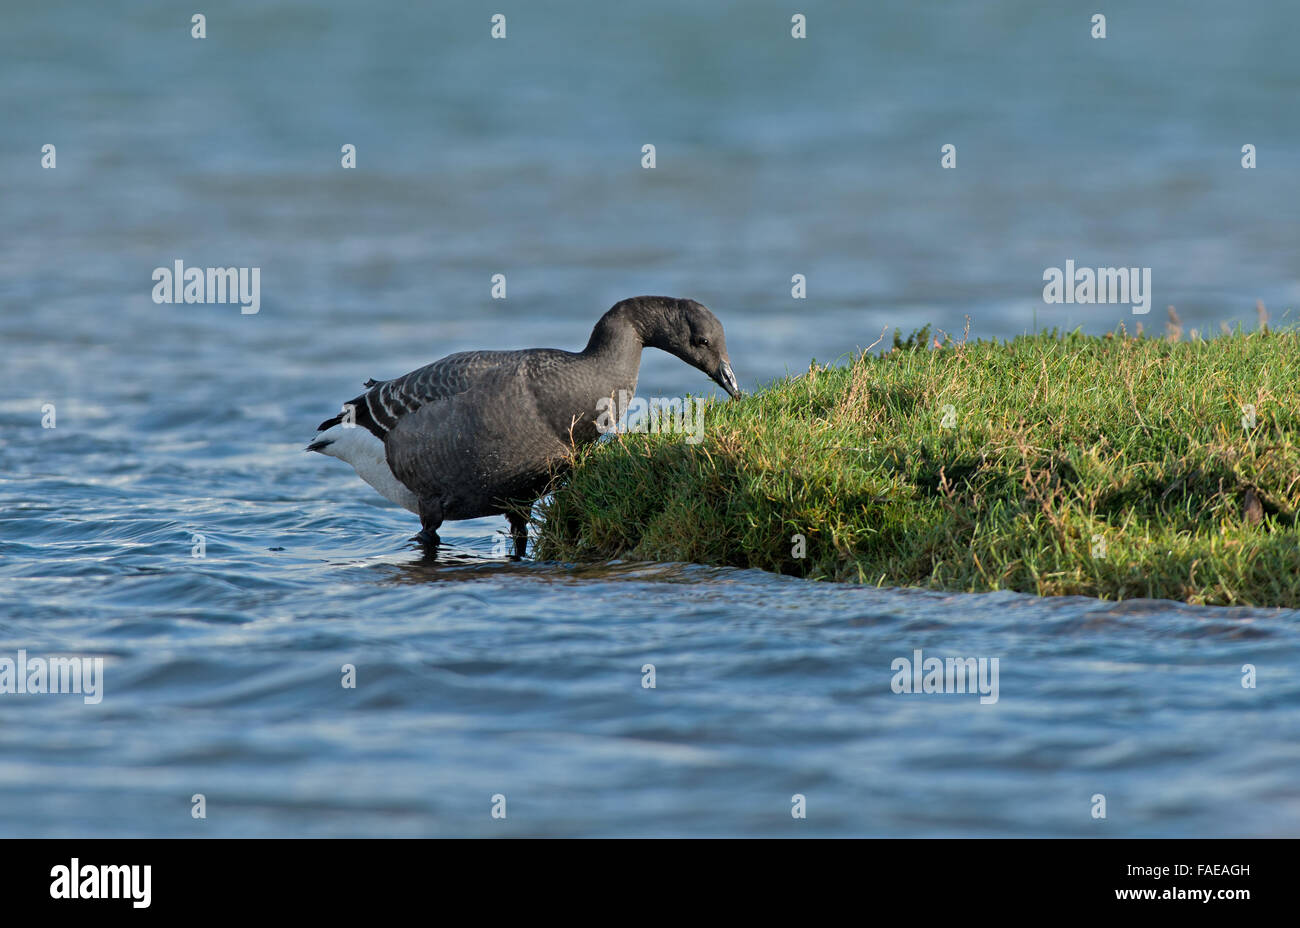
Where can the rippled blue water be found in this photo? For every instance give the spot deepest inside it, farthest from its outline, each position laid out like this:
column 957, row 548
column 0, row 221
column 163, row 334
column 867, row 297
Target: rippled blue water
column 476, row 677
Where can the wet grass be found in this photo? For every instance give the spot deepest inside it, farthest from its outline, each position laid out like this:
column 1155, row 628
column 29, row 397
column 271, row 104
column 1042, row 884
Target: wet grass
column 1113, row 466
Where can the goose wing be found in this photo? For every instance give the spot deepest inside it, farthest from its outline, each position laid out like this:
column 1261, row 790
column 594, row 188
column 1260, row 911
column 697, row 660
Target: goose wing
column 386, row 401
column 491, row 442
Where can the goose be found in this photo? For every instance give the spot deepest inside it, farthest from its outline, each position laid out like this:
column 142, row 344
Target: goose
column 483, row 433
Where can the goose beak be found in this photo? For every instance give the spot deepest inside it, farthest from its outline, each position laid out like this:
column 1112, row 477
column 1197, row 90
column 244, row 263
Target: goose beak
column 726, row 379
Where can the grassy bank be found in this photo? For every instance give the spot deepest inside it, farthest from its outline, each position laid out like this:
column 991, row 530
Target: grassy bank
column 1116, row 467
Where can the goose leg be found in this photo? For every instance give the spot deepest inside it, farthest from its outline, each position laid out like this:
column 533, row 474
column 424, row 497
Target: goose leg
column 430, row 520
column 519, row 532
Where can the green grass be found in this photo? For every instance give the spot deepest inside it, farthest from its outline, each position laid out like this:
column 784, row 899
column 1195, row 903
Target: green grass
column 1061, row 444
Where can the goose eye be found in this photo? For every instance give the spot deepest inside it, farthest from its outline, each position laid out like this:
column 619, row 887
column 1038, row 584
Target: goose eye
column 702, row 342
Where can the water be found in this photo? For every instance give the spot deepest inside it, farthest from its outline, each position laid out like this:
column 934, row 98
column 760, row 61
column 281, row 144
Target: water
column 522, row 157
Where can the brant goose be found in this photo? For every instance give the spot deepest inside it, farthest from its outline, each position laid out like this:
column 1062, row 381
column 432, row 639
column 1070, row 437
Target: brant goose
column 482, row 433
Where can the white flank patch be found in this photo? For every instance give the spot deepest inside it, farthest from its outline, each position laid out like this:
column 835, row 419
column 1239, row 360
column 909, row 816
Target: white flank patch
column 365, row 453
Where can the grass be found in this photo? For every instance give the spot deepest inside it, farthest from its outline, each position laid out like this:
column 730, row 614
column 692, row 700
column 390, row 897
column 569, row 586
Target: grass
column 1115, row 467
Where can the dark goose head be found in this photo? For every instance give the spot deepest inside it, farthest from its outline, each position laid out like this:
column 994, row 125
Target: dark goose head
column 683, row 328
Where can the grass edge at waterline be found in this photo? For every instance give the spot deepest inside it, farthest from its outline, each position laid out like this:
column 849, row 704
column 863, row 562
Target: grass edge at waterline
column 1111, row 466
